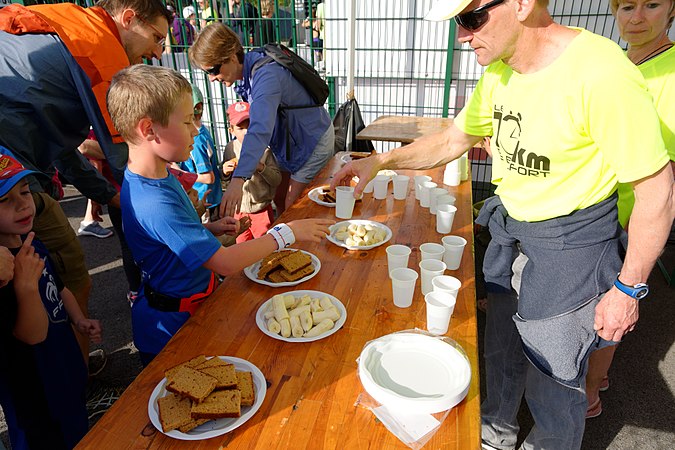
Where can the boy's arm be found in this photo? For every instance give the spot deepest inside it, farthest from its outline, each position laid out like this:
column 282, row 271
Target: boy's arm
column 32, row 322
column 6, row 266
column 206, row 177
column 87, row 327
column 270, row 170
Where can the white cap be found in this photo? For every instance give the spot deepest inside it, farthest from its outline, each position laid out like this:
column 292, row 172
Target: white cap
column 446, row 9
column 188, row 11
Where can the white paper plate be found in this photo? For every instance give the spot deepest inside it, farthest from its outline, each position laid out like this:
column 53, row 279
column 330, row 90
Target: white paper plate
column 347, row 157
column 260, row 319
column 251, row 273
column 214, row 427
column 415, row 373
column 314, row 196
column 337, row 242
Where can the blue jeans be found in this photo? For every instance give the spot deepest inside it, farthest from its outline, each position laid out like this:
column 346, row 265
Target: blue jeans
column 559, row 412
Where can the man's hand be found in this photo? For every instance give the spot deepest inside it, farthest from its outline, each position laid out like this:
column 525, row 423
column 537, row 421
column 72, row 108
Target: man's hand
column 115, row 201
column 6, row 266
column 231, row 201
column 312, row 230
column 27, row 266
column 244, row 224
column 615, row 315
column 365, row 169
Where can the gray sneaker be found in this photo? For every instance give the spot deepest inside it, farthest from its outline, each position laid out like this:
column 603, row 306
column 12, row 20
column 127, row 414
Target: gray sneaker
column 94, row 229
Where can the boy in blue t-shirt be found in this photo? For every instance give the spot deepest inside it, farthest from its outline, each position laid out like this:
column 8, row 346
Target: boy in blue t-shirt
column 178, row 256
column 203, row 160
column 42, row 373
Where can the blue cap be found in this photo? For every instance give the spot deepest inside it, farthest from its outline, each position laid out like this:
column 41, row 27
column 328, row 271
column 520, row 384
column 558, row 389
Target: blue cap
column 11, row 172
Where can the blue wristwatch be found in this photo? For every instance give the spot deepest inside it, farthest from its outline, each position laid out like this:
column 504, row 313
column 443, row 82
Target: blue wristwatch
column 638, row 292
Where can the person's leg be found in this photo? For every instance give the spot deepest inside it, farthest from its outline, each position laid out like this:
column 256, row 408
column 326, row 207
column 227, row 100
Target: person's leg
column 52, row 228
column 559, row 413
column 319, row 158
column 598, row 366
column 505, row 372
column 295, row 188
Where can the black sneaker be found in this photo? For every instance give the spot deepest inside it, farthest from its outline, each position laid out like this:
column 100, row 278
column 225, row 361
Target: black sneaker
column 97, row 361
column 101, row 399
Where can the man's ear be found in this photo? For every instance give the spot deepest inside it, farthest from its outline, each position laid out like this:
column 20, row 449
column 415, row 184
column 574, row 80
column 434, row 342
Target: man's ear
column 524, row 8
column 144, row 129
column 126, row 17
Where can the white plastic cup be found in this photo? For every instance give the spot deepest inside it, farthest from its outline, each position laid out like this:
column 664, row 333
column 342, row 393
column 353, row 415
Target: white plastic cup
column 445, row 200
column 403, row 286
column 433, row 196
column 344, row 202
column 430, row 269
column 454, row 248
column 401, row 187
column 431, row 250
column 418, row 180
column 440, row 306
column 451, row 175
column 447, row 284
column 369, row 188
column 397, row 256
column 445, row 215
column 380, row 185
column 425, row 189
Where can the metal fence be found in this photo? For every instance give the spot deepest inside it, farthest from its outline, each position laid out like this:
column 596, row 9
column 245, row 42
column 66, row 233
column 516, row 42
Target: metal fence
column 404, row 64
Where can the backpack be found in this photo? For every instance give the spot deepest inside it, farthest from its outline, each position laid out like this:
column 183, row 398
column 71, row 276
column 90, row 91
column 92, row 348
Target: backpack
column 301, row 70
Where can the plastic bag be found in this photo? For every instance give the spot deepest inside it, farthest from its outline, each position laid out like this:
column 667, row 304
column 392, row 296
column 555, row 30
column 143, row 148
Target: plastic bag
column 347, row 123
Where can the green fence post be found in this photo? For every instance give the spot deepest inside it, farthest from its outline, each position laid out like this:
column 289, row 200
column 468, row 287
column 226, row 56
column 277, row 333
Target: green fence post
column 448, row 69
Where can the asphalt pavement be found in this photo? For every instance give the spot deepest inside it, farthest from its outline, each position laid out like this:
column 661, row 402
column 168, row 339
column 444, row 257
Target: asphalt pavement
column 638, row 409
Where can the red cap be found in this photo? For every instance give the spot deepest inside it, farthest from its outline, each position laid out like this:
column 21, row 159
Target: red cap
column 238, row 112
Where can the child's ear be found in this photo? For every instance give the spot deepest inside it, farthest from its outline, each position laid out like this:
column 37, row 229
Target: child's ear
column 145, row 130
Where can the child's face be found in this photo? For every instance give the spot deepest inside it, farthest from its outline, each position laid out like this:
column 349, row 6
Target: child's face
column 17, row 210
column 239, row 131
column 174, row 142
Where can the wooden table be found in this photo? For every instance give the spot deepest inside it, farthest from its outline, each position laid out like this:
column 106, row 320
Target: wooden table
column 404, row 129
column 313, row 387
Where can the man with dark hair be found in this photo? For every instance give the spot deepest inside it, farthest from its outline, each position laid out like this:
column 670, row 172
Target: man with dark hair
column 56, row 65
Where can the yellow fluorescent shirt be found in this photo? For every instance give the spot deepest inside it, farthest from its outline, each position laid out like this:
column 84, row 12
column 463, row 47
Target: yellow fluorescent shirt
column 564, row 136
column 659, row 74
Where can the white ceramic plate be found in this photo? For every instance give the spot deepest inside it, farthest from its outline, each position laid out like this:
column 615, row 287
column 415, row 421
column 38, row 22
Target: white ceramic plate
column 260, row 319
column 215, row 427
column 251, row 273
column 414, row 372
column 314, row 196
column 337, row 242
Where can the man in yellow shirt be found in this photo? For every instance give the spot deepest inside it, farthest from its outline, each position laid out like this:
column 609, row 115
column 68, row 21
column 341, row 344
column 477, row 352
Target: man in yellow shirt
column 563, row 138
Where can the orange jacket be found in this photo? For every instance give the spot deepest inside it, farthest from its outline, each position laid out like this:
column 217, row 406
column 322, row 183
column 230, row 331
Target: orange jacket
column 90, row 35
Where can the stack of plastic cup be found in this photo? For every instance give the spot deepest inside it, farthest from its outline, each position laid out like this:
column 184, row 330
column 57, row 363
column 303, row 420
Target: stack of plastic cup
column 451, row 175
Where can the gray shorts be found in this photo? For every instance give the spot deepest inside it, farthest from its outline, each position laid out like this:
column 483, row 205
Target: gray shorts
column 323, row 152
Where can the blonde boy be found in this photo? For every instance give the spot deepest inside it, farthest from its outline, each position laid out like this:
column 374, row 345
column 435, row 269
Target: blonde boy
column 179, row 256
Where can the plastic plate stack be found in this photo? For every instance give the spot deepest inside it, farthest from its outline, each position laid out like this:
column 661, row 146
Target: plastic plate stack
column 415, row 373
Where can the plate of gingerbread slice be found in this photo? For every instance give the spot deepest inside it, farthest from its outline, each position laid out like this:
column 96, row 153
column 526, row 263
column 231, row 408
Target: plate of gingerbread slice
column 284, row 268
column 323, row 196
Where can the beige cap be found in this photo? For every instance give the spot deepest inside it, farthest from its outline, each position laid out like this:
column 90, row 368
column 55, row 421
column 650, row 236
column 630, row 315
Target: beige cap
column 446, row 9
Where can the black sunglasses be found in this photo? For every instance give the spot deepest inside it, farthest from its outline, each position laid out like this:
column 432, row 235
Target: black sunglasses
column 475, row 19
column 215, row 70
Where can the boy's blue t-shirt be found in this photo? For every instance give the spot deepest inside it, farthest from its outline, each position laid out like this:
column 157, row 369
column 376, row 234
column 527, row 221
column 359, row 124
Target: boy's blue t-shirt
column 203, row 158
column 42, row 386
column 170, row 246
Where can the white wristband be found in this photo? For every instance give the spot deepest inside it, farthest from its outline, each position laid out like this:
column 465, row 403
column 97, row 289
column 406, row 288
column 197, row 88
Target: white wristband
column 283, row 234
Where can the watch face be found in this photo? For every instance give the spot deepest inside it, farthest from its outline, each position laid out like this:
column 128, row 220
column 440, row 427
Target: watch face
column 641, row 293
